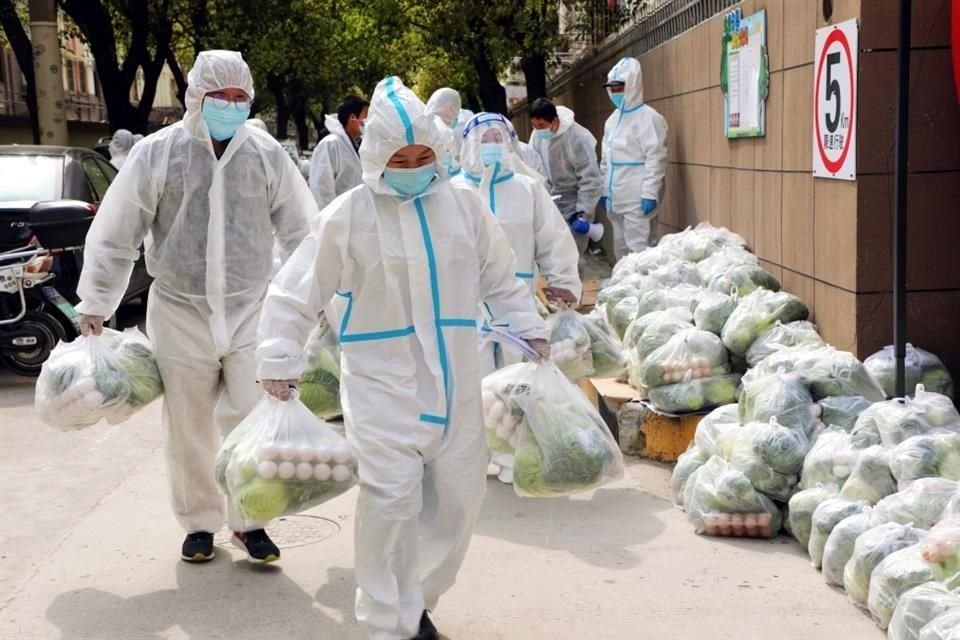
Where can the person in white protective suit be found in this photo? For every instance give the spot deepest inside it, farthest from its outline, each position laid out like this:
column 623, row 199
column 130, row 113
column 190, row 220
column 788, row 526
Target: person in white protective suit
column 444, row 106
column 569, row 154
column 335, row 166
column 137, row 137
column 258, row 123
column 120, row 146
column 634, row 161
column 208, row 195
column 538, row 234
column 413, row 256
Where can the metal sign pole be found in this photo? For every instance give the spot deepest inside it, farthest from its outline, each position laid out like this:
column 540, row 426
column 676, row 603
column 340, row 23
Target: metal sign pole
column 900, row 177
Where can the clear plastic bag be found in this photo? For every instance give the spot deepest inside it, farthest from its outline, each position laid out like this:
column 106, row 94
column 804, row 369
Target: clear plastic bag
column 688, row 463
column 831, row 459
column 717, row 431
column 136, row 358
column 606, row 351
column 945, row 626
column 770, row 456
column 622, row 314
column 922, row 503
column 724, row 260
column 684, row 296
column 713, row 310
column 826, row 371
column 870, row 479
column 82, row 382
column 570, row 345
column 650, row 332
column 720, row 501
column 869, row 551
column 839, row 547
column 799, row 333
column 801, row 509
column 756, row 314
column 744, row 279
column 826, row 517
column 842, row 411
column 285, row 460
column 642, row 263
column 699, row 243
column 690, row 354
column 898, row 573
column 672, row 275
column 564, row 446
column 782, row 396
column 611, row 296
column 320, row 383
column 929, row 456
column 920, row 367
column 925, row 413
column 694, row 395
column 942, row 547
column 502, row 412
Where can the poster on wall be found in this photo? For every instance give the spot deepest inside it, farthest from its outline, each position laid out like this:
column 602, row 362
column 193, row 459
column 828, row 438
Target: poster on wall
column 744, row 77
column 834, row 98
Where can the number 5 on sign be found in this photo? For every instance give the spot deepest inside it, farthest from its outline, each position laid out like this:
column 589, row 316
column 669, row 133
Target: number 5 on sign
column 834, row 102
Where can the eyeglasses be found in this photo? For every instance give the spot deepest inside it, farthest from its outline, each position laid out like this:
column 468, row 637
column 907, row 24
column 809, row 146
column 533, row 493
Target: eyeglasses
column 222, row 101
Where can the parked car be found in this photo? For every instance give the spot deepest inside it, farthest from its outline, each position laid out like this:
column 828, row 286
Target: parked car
column 33, row 177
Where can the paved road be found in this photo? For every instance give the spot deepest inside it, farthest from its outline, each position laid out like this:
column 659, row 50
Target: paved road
column 89, row 551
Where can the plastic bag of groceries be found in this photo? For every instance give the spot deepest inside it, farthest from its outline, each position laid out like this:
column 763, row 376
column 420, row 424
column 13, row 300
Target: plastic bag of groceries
column 936, row 455
column 684, row 295
column 922, row 503
column 782, row 336
column 901, row 418
column 285, row 460
column 920, row 367
column 689, row 354
column 757, row 313
column 782, row 396
column 570, row 344
column 622, row 314
column 895, row 575
column 840, row 544
column 699, row 243
column 870, row 479
column 611, row 296
column 716, row 432
column 724, row 260
column 825, row 370
column 695, row 394
column 95, row 377
column 714, row 309
column 930, row 611
column 831, row 459
column 688, row 462
column 606, row 350
column 320, row 382
column 720, row 501
column 672, row 275
column 651, row 331
column 502, row 412
column 942, row 547
column 642, row 263
column 770, row 456
column 564, row 446
column 744, row 279
column 826, row 517
column 802, row 505
column 870, row 550
column 842, row 411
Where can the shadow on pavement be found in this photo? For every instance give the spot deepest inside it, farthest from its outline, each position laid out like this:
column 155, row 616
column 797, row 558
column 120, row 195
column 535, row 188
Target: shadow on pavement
column 630, row 518
column 223, row 599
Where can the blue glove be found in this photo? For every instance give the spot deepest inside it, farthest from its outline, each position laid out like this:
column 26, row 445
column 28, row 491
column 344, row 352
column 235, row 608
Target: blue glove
column 605, row 203
column 579, row 225
column 648, row 206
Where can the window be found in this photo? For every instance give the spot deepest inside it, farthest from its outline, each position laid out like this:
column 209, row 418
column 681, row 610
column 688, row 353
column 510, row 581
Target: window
column 82, row 75
column 34, row 178
column 108, row 169
column 98, row 182
column 68, row 73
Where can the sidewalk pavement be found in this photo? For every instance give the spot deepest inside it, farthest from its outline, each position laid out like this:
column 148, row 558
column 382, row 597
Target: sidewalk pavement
column 90, row 551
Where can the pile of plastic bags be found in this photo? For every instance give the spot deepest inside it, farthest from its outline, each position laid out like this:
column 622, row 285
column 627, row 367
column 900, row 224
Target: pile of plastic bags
column 920, row 367
column 110, row 376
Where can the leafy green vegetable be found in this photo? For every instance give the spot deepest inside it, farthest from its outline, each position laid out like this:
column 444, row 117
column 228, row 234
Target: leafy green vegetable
column 842, row 411
column 869, row 551
column 744, row 279
column 724, row 260
column 922, row 503
column 771, row 456
column 826, row 517
column 688, row 462
column 840, row 544
column 929, row 611
column 870, row 480
column 929, row 456
column 831, row 459
column 320, row 382
column 716, row 432
column 683, row 296
column 758, row 312
column 695, row 395
column 609, row 360
column 717, row 490
column 782, row 396
column 800, row 333
column 826, row 371
column 689, row 354
column 622, row 314
column 895, row 575
column 802, row 506
column 920, row 367
column 713, row 311
column 612, row 296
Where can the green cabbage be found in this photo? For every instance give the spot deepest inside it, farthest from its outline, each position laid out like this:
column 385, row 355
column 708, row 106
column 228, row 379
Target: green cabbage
column 609, row 360
column 930, row 611
column 757, row 313
column 926, row 413
column 802, row 505
column 610, row 297
column 320, row 382
column 922, row 503
column 783, row 336
column 870, row 480
column 642, row 263
column 622, row 314
column 695, row 395
column 137, row 360
column 830, row 461
column 657, row 331
column 684, row 296
column 689, row 354
column 744, row 279
column 826, row 371
column 780, row 396
column 716, row 432
column 696, row 244
column 898, row 573
column 713, row 311
column 920, row 367
column 717, row 497
column 840, row 544
column 724, row 260
column 826, row 517
column 688, row 462
column 842, row 411
column 869, row 551
column 930, row 456
column 770, row 455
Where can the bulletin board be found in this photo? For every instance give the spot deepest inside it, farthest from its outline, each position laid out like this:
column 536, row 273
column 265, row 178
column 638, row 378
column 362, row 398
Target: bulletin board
column 744, row 74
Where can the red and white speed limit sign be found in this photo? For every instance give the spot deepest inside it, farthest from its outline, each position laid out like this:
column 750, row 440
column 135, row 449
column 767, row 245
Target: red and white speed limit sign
column 834, row 102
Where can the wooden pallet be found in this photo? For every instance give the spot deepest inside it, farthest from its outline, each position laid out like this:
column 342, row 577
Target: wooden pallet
column 591, row 289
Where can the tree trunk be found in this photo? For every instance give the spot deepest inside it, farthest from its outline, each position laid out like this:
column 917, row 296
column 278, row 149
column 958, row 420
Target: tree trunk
column 178, row 77
column 277, row 86
column 303, row 131
column 317, row 123
column 492, row 94
column 534, row 68
column 23, row 50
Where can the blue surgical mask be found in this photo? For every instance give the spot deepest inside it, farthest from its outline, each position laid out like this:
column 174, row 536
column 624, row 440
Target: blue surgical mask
column 543, row 134
column 616, row 99
column 223, row 123
column 491, row 153
column 410, row 182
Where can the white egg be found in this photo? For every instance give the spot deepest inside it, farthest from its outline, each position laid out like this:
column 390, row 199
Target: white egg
column 323, row 454
column 304, row 471
column 497, row 410
column 286, row 470
column 305, row 454
column 342, row 453
column 287, row 452
column 342, row 473
column 267, row 469
column 321, row 472
column 93, row 400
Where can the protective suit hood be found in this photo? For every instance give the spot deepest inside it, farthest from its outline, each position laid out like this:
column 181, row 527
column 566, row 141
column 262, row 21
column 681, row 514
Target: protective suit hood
column 396, row 118
column 567, row 120
column 445, row 103
column 121, row 143
column 332, row 123
column 212, row 71
column 629, row 72
column 512, row 160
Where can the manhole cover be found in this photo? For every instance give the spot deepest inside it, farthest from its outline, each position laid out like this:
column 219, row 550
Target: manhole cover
column 293, row 531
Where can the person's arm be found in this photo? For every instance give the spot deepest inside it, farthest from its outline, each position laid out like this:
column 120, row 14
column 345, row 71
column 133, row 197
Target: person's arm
column 653, row 142
column 297, row 297
column 589, row 181
column 555, row 250
column 324, row 167
column 291, row 207
column 123, row 219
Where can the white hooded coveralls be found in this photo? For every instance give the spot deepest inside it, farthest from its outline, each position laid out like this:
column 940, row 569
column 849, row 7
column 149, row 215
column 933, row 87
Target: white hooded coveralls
column 412, row 271
column 335, row 165
column 208, row 226
column 120, row 146
column 634, row 161
column 444, row 106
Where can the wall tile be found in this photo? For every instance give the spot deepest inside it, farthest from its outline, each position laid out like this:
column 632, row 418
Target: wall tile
column 721, row 186
column 775, row 11
column 699, row 202
column 652, row 66
column 684, row 63
column 932, row 325
column 700, row 147
column 768, row 189
column 773, row 269
column 929, row 26
column 677, row 195
column 703, row 75
column 719, row 145
column 798, row 119
column 743, row 153
column 799, row 19
column 797, row 222
column 835, row 232
column 836, row 311
column 714, row 40
column 741, row 205
column 874, row 322
column 670, row 67
column 874, row 229
column 769, row 149
column 804, row 287
column 842, row 10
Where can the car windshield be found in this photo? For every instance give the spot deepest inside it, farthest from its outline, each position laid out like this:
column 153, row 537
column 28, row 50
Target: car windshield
column 34, row 178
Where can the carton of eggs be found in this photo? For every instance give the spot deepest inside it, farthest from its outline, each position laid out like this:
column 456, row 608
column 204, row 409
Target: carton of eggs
column 306, row 464
column 680, row 370
column 737, row 525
